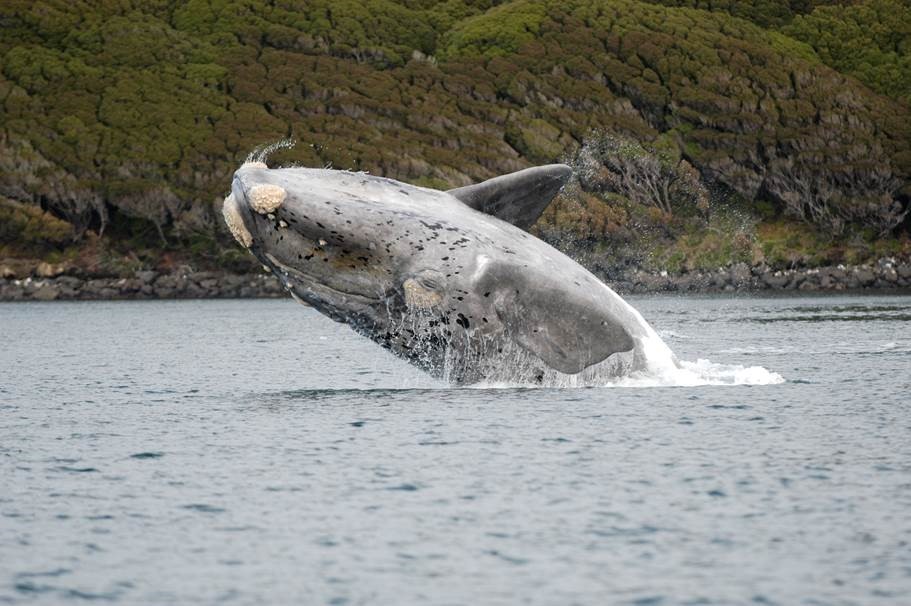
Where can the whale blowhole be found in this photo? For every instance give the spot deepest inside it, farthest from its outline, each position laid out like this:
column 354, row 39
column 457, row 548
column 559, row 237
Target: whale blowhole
column 259, row 156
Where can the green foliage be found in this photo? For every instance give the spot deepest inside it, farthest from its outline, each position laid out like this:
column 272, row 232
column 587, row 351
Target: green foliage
column 650, row 174
column 497, row 32
column 30, row 229
column 765, row 13
column 133, row 114
column 705, row 248
column 870, row 41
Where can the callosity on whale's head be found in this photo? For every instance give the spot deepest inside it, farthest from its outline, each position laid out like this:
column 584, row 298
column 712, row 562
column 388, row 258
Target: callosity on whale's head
column 444, row 279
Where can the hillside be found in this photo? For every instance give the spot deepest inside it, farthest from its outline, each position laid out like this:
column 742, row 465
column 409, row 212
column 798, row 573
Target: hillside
column 126, row 120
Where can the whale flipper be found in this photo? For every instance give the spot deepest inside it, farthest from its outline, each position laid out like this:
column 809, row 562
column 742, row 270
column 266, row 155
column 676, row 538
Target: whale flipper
column 565, row 334
column 518, row 198
column 569, row 331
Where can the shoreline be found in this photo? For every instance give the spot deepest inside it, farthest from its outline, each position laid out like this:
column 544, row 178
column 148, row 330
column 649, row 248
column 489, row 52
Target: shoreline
column 884, row 275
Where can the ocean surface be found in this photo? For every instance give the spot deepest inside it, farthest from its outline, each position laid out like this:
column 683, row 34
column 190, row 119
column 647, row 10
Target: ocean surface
column 254, row 452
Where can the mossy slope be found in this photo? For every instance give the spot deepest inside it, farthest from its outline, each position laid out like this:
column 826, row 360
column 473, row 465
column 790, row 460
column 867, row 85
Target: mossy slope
column 128, row 113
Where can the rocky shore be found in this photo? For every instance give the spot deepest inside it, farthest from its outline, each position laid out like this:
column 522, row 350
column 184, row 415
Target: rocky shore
column 143, row 285
column 885, row 274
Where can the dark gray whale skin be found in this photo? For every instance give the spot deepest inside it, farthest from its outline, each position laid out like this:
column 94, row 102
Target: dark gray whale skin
column 445, row 280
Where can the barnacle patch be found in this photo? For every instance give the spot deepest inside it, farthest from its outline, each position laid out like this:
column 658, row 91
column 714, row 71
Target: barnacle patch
column 266, row 198
column 235, row 223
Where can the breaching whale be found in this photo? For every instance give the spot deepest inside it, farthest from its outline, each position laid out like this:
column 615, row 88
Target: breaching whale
column 449, row 281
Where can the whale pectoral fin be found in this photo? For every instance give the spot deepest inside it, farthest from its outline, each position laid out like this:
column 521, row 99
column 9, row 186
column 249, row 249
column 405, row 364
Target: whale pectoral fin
column 518, row 198
column 564, row 331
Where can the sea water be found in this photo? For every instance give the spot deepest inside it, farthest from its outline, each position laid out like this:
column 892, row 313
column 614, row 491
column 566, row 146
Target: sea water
column 254, row 452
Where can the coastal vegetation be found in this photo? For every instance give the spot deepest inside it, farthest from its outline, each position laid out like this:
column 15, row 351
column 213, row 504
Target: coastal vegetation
column 705, row 133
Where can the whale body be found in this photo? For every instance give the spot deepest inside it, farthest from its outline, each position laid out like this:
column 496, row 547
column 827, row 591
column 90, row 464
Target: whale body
column 449, row 281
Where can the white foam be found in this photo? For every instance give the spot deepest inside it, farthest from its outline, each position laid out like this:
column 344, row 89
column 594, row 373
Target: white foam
column 655, row 365
column 671, row 335
column 686, row 374
column 700, row 372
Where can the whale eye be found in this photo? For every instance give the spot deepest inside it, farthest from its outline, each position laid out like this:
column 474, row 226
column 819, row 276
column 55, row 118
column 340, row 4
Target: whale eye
column 430, row 279
column 417, row 296
column 429, row 283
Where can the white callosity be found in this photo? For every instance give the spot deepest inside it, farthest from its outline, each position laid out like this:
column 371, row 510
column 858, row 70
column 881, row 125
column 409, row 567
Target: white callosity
column 266, row 198
column 235, row 222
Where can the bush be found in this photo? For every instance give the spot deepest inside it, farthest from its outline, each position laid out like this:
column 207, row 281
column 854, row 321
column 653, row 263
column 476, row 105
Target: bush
column 870, row 41
column 144, row 109
column 641, row 173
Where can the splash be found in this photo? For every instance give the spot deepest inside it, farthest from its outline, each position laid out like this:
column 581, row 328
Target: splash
column 686, row 374
column 651, row 364
column 698, row 373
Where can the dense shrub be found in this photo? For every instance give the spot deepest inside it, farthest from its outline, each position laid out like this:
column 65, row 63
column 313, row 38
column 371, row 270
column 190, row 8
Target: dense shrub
column 139, row 111
column 642, row 173
column 870, row 41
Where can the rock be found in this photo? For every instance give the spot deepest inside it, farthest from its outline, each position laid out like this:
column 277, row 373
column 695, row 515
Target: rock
column 46, row 292
column 11, row 292
column 692, row 281
column 864, row 276
column 741, row 275
column 146, row 277
column 904, row 271
column 194, row 291
column 47, row 270
column 129, row 285
column 201, row 276
column 720, row 280
column 813, row 276
column 94, row 286
column 232, row 280
column 775, row 280
column 7, row 272
column 271, row 285
column 884, row 263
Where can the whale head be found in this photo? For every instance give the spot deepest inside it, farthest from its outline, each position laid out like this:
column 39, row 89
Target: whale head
column 346, row 243
column 308, row 227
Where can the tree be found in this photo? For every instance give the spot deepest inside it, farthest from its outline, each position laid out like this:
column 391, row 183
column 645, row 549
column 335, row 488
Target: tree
column 651, row 176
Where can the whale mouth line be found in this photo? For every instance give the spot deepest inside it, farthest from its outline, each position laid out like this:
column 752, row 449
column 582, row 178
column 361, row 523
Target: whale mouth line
column 311, row 281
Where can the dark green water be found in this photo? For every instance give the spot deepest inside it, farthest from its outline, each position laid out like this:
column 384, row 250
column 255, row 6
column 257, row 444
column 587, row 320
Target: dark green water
column 253, row 452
